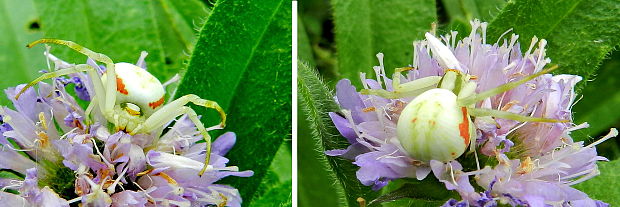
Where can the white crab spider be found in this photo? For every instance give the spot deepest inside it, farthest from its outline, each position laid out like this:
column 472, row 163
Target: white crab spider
column 133, row 101
column 436, row 124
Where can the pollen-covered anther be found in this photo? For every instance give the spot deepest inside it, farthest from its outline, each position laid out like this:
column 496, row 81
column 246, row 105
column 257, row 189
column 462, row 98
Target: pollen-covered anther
column 43, row 139
column 224, row 200
column 369, row 109
column 526, row 166
column 42, row 120
column 403, row 69
column 417, row 163
column 167, row 178
column 509, row 105
column 145, row 172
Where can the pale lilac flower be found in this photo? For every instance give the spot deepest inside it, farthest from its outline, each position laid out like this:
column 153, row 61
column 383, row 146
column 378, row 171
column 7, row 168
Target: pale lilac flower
column 71, row 160
column 531, row 155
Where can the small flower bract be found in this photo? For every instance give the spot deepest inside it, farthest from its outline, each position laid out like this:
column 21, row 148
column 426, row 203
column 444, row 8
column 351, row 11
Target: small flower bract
column 125, row 149
column 469, row 111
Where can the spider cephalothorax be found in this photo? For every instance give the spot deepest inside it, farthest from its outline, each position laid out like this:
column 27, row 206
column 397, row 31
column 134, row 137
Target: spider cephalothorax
column 133, row 101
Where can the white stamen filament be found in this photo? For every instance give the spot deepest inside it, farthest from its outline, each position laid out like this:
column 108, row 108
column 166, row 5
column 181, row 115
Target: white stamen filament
column 74, row 200
column 379, row 69
column 99, row 153
column 363, row 78
column 172, row 80
column 112, row 187
column 594, row 172
column 483, row 27
column 613, row 132
column 67, row 134
column 529, row 50
column 452, row 174
column 506, row 32
column 349, row 117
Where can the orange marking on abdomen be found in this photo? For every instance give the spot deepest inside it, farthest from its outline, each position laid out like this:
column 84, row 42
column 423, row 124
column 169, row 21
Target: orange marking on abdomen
column 464, row 126
column 157, row 103
column 120, row 87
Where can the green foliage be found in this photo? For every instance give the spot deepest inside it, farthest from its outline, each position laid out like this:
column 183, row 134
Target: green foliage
column 316, row 100
column 579, row 33
column 304, row 48
column 20, row 25
column 122, row 38
column 242, row 60
column 163, row 28
column 460, row 12
column 414, row 193
column 276, row 187
column 600, row 99
column 365, row 28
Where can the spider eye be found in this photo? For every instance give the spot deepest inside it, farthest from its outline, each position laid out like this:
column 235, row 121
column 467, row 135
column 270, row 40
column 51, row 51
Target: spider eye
column 131, row 109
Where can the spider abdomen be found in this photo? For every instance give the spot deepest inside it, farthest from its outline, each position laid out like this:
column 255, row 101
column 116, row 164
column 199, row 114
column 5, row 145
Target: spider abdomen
column 137, row 86
column 433, row 127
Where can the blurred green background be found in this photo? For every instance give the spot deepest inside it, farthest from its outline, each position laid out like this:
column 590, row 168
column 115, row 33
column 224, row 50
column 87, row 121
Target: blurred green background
column 219, row 47
column 340, row 38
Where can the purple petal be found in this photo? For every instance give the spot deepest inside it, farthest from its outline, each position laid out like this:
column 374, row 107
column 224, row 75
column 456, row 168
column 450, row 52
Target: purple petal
column 343, row 127
column 223, row 143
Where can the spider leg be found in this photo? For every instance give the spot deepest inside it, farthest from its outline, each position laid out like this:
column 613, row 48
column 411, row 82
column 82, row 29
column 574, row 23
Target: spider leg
column 106, row 104
column 176, row 108
column 92, row 73
column 509, row 115
column 408, row 89
column 474, row 98
column 165, row 115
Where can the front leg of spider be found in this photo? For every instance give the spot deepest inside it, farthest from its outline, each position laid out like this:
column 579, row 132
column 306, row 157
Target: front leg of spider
column 408, row 89
column 178, row 108
column 107, row 88
column 131, row 98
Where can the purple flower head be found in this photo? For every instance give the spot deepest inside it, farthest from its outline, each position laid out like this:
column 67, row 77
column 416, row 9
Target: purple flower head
column 528, row 151
column 73, row 157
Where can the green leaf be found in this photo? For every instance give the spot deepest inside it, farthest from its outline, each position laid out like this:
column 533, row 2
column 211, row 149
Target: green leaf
column 465, row 10
column 193, row 12
column 18, row 26
column 175, row 25
column 598, row 106
column 316, row 100
column 242, row 60
column 120, row 29
column 412, row 192
column 460, row 12
column 315, row 188
column 604, row 186
column 424, row 192
column 579, row 33
column 276, row 187
column 364, row 28
column 9, row 174
column 304, row 47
